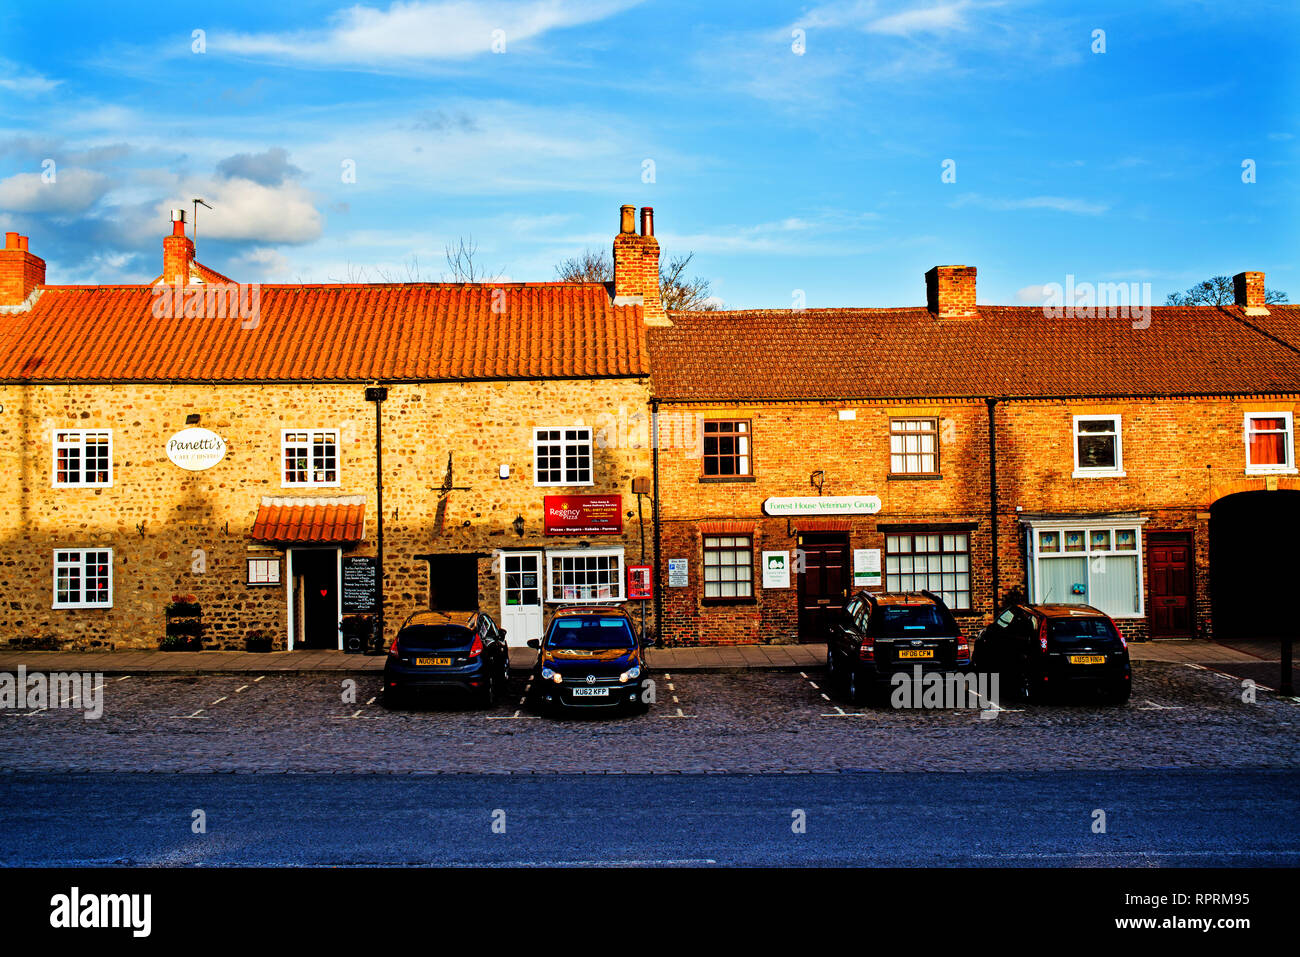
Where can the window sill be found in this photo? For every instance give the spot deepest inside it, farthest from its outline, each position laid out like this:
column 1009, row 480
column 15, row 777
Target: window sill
column 710, row 479
column 1099, row 473
column 310, row 485
column 1259, row 472
column 563, row 484
column 905, row 477
column 81, row 607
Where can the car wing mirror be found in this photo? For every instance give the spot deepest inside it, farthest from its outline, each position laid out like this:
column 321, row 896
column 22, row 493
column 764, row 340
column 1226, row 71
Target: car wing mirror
column 534, row 643
column 501, row 633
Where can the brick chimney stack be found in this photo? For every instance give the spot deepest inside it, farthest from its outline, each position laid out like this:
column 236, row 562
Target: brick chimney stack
column 1248, row 291
column 636, row 266
column 20, row 272
column 178, row 252
column 950, row 292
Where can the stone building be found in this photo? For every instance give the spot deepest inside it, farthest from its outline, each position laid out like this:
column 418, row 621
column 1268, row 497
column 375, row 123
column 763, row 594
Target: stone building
column 1141, row 463
column 201, row 443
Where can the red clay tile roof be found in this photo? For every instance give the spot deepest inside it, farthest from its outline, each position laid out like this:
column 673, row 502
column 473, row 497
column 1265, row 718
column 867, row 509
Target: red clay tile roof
column 324, row 520
column 1009, row 351
column 394, row 332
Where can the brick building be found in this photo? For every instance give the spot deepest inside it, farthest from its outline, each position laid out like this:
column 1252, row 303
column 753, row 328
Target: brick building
column 192, row 438
column 1146, row 467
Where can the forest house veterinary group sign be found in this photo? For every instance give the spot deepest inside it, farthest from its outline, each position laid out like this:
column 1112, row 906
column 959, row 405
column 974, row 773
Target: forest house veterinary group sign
column 822, row 505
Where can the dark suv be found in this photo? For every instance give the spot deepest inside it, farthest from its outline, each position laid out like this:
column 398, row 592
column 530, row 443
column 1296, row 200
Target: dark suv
column 1038, row 649
column 458, row 650
column 878, row 636
column 591, row 658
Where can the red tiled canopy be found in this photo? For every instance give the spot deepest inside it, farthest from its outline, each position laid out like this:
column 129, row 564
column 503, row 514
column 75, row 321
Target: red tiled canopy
column 316, row 520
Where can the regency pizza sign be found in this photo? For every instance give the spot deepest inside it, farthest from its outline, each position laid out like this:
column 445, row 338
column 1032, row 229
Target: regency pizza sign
column 583, row 515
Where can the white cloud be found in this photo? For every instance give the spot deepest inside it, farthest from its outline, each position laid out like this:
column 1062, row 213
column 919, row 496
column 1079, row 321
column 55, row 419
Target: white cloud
column 937, row 19
column 445, row 30
column 1060, row 204
column 261, row 263
column 244, row 210
column 72, row 190
column 16, row 79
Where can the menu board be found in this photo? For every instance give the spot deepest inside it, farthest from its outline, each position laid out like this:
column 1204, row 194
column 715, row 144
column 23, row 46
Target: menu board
column 360, row 584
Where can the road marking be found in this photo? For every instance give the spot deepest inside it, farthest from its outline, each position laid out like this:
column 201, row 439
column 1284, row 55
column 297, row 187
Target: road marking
column 671, row 686
column 258, row 678
column 824, row 695
column 357, row 714
column 219, row 700
column 517, row 716
column 123, row 678
column 1160, row 707
column 240, row 688
column 372, row 700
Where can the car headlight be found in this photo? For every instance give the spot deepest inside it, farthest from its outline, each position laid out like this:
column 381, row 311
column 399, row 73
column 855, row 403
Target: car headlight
column 547, row 674
column 557, row 677
column 633, row 672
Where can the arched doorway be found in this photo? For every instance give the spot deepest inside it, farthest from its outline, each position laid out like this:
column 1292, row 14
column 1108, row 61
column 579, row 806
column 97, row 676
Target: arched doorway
column 1255, row 564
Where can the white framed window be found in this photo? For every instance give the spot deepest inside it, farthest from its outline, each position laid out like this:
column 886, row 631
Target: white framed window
column 1085, row 562
column 914, row 446
column 925, row 561
column 1270, row 443
column 585, row 575
column 562, row 456
column 1098, row 446
column 83, row 458
column 83, row 578
column 309, row 457
column 264, row 571
column 728, row 566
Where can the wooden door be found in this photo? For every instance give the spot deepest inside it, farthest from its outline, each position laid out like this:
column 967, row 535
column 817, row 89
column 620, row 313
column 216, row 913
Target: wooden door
column 1170, row 602
column 823, row 582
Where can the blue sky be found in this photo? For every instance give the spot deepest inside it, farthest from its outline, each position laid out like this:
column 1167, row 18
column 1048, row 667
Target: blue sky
column 818, row 171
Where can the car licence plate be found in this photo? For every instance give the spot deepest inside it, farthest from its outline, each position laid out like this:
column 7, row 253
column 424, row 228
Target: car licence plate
column 591, row 692
column 1087, row 659
column 916, row 654
column 443, row 662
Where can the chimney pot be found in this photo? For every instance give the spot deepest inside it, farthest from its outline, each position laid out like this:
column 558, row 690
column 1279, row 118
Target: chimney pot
column 627, row 219
column 647, row 221
column 636, row 267
column 1248, row 292
column 178, row 252
column 11, row 240
column 20, row 271
column 950, row 292
column 22, row 243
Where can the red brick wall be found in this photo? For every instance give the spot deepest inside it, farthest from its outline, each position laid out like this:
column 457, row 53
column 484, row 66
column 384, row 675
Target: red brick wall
column 1179, row 457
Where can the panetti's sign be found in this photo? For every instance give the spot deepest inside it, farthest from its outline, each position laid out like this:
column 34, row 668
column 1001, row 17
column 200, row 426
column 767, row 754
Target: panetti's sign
column 801, row 505
column 196, row 449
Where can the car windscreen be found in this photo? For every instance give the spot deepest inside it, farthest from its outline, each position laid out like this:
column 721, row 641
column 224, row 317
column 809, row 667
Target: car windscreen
column 1072, row 630
column 594, row 632
column 911, row 621
column 434, row 636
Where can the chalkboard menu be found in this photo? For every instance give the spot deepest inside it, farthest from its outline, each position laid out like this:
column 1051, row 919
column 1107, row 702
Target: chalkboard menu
column 360, row 585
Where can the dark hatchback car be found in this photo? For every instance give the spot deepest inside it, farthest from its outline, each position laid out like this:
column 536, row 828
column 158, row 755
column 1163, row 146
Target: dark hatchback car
column 447, row 650
column 591, row 658
column 880, row 635
column 1041, row 649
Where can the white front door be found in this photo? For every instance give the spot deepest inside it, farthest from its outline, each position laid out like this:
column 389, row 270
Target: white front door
column 521, row 596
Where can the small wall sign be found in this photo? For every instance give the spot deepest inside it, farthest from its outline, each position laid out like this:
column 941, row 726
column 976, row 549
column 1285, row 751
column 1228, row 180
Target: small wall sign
column 677, row 573
column 640, row 583
column 866, row 568
column 196, row 449
column 776, row 569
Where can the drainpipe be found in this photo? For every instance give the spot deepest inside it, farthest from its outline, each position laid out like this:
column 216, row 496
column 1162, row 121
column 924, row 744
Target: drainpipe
column 658, row 576
column 377, row 395
column 993, row 498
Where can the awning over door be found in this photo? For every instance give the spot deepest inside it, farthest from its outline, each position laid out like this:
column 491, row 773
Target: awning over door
column 302, row 520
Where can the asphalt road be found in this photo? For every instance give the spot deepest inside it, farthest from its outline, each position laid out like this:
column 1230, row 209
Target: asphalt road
column 1046, row 818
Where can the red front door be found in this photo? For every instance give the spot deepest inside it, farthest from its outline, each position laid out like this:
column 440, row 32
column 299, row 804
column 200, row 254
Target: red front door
column 823, row 581
column 1169, row 604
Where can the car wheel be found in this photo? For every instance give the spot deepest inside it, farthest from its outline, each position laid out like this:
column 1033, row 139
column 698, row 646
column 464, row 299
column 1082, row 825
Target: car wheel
column 855, row 688
column 488, row 696
column 1120, row 694
column 1024, row 687
column 391, row 698
column 831, row 677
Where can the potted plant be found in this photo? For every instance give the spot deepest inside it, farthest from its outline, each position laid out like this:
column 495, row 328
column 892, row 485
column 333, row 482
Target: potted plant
column 184, row 625
column 257, row 640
